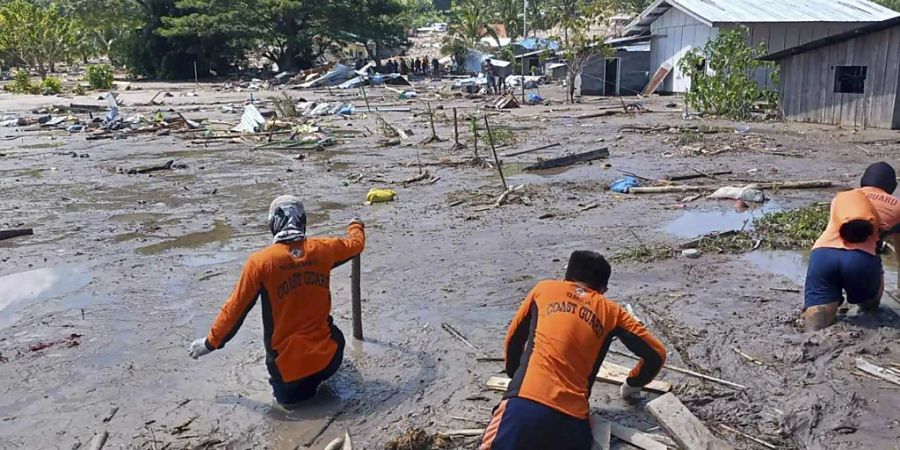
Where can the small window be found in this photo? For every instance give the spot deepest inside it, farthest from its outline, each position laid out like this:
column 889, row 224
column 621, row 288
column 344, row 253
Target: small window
column 850, row 79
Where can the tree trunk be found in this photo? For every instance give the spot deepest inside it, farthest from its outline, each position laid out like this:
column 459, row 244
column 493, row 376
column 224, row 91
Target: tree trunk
column 289, row 60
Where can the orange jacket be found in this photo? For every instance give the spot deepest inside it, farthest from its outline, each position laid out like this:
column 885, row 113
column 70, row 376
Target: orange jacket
column 292, row 279
column 868, row 203
column 559, row 338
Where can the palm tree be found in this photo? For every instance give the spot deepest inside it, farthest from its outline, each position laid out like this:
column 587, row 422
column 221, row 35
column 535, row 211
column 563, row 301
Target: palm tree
column 471, row 21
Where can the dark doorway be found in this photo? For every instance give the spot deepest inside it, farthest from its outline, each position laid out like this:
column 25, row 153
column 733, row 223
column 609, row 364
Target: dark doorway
column 611, row 77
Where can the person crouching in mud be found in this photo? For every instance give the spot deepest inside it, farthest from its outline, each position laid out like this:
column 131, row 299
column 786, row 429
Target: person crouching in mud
column 845, row 257
column 292, row 278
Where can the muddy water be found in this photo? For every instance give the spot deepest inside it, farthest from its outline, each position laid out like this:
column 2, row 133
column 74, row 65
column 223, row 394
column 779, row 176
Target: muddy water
column 698, row 222
column 220, row 232
column 26, row 288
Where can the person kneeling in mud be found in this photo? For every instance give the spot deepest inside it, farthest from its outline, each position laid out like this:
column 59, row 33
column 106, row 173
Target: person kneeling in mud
column 554, row 348
column 291, row 277
column 845, row 257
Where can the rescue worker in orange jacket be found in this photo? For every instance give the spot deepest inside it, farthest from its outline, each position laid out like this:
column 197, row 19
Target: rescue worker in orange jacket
column 554, row 348
column 845, row 257
column 291, row 278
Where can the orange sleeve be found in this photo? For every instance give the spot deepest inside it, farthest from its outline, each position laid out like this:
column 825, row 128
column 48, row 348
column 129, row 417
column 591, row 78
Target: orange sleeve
column 643, row 344
column 345, row 249
column 517, row 336
column 235, row 310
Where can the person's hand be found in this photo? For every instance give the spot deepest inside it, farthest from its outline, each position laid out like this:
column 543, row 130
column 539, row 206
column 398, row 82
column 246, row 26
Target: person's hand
column 629, row 392
column 198, row 348
column 356, row 220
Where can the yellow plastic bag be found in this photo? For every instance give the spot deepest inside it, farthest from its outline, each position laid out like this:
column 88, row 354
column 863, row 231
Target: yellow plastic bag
column 376, row 195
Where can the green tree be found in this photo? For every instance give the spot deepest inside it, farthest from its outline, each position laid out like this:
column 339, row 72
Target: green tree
column 721, row 75
column 580, row 46
column 471, row 20
column 374, row 25
column 37, row 36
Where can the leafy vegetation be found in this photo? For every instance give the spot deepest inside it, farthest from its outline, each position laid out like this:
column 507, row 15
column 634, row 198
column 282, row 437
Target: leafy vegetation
column 721, row 76
column 51, row 86
column 99, row 77
column 38, row 37
column 21, row 83
column 893, row 4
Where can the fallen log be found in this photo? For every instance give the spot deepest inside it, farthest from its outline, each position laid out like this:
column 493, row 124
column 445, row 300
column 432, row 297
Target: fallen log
column 687, row 430
column 606, row 113
column 9, row 234
column 531, row 150
column 98, row 441
column 570, row 159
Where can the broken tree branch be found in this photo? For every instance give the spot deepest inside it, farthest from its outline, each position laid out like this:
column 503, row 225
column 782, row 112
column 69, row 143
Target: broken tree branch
column 487, row 126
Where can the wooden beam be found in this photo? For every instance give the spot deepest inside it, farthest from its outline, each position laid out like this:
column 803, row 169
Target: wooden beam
column 687, row 430
column 609, row 373
column 570, row 159
column 9, row 234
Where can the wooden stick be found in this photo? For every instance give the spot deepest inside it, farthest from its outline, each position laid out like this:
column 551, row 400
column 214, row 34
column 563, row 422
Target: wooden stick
column 362, row 87
column 475, row 133
column 431, row 119
column 687, row 372
column 745, row 435
column 531, row 150
column 463, row 432
column 453, row 332
column 494, row 151
column 9, row 234
column 877, row 371
column 356, row 298
column 748, row 357
column 699, row 174
column 99, row 440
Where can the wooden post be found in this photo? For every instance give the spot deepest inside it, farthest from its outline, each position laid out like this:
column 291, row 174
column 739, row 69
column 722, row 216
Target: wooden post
column 357, row 299
column 494, row 151
column 456, row 134
column 365, row 97
column 196, row 80
column 475, row 134
column 431, row 120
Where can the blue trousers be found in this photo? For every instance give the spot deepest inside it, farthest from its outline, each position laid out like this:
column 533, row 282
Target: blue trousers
column 522, row 424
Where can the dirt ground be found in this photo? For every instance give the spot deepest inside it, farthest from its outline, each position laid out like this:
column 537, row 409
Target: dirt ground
column 97, row 308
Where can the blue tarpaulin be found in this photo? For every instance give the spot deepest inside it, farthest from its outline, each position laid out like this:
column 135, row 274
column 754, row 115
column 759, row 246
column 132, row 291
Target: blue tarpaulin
column 534, row 43
column 623, row 184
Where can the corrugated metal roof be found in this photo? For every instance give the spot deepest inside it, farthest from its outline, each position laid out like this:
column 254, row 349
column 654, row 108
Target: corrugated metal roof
column 713, row 12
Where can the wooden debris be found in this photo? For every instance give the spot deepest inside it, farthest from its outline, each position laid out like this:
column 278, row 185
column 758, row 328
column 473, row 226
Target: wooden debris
column 463, row 432
column 657, row 79
column 98, row 441
column 570, row 160
column 9, row 234
column 112, row 412
column 455, row 333
column 688, row 372
column 609, row 112
column 420, row 177
column 531, row 150
column 636, row 438
column 138, row 170
column 748, row 357
column 600, row 429
column 747, row 436
column 877, row 371
column 506, row 102
column 609, row 373
column 589, row 207
column 687, row 430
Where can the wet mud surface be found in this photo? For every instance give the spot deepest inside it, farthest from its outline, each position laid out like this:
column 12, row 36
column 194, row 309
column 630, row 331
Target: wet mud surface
column 98, row 307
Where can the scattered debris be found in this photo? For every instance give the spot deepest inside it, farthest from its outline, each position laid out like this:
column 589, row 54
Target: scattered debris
column 877, row 371
column 418, row 439
column 815, row 184
column 98, row 441
column 251, row 121
column 748, row 193
column 506, row 102
column 747, row 436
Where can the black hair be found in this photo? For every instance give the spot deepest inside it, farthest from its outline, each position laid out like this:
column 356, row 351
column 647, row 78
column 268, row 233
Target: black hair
column 590, row 268
column 880, row 175
column 857, row 231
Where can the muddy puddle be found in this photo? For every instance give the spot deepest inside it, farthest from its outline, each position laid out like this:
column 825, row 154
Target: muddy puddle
column 26, row 288
column 693, row 223
column 221, row 232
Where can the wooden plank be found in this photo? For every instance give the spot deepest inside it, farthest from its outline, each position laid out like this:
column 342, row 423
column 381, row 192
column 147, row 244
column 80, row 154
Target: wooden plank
column 636, row 438
column 687, row 430
column 821, row 55
column 877, row 371
column 657, row 79
column 570, row 159
column 892, row 80
column 609, row 373
column 600, row 429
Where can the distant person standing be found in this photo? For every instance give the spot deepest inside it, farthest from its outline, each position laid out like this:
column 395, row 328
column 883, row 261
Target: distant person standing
column 490, row 73
column 435, row 68
column 417, row 66
column 404, row 68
